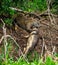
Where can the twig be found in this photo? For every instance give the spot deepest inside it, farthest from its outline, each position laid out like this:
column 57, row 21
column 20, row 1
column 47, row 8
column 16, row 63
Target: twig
column 1, row 39
column 50, row 26
column 42, row 47
column 52, row 19
column 5, row 40
column 25, row 12
column 5, row 36
column 53, row 51
column 19, row 48
column 16, row 9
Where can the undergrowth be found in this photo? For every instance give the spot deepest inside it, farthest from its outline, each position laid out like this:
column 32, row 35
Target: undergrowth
column 21, row 61
column 31, row 60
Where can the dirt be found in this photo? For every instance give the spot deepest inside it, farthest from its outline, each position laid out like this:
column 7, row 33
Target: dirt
column 49, row 34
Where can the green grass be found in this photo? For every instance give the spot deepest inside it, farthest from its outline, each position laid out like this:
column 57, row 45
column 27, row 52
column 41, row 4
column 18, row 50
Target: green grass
column 35, row 60
column 32, row 59
column 21, row 61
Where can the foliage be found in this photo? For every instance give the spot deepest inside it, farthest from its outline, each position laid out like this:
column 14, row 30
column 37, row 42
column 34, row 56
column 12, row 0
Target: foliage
column 8, row 21
column 25, row 5
column 34, row 5
column 30, row 6
column 4, row 7
column 49, row 61
column 21, row 61
column 55, row 7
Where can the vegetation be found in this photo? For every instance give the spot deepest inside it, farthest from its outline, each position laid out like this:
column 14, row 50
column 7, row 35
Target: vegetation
column 6, row 14
column 21, row 61
column 25, row 5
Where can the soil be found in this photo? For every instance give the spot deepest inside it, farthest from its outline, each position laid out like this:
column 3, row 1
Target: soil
column 49, row 34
